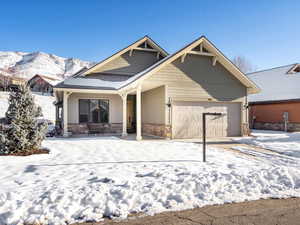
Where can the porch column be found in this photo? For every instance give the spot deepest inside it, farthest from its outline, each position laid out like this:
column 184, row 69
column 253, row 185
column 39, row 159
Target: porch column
column 65, row 112
column 124, row 98
column 56, row 106
column 138, row 114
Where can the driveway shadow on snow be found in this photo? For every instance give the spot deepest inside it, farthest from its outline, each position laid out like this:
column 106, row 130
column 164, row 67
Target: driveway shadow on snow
column 33, row 168
column 217, row 142
column 85, row 138
column 30, row 169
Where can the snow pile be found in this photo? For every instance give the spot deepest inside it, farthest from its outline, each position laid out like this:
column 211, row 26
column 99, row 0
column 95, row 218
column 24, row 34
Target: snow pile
column 278, row 141
column 86, row 179
column 26, row 65
column 44, row 101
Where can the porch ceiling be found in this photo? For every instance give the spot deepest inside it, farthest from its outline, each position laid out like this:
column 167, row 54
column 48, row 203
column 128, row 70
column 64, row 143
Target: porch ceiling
column 146, row 86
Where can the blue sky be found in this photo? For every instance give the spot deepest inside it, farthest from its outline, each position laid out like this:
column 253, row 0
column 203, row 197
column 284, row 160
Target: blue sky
column 265, row 32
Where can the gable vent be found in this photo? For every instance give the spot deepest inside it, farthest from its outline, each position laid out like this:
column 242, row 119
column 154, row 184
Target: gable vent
column 145, row 45
column 200, row 48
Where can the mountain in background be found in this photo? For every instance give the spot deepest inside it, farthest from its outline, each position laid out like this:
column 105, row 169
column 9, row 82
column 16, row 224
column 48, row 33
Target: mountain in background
column 26, row 65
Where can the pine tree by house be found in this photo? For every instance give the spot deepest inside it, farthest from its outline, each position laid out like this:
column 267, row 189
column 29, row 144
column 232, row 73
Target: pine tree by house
column 23, row 134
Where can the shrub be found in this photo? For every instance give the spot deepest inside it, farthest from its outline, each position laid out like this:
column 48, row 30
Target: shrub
column 24, row 132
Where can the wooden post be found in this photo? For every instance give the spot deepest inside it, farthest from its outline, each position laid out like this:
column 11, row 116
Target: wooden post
column 204, row 136
column 138, row 114
column 124, row 98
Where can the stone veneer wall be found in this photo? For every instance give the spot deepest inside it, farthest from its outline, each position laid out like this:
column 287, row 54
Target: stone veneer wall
column 276, row 126
column 159, row 130
column 245, row 129
column 101, row 128
column 78, row 128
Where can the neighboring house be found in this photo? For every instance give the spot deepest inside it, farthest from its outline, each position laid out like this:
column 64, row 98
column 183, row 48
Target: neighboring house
column 16, row 81
column 277, row 106
column 143, row 89
column 9, row 82
column 41, row 83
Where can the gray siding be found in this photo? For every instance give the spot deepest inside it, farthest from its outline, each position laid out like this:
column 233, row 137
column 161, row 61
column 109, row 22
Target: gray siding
column 153, row 106
column 196, row 79
column 129, row 65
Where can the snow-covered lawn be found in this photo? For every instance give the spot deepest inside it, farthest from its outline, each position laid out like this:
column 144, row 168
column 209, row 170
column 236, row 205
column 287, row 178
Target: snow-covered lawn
column 44, row 101
column 278, row 141
column 90, row 178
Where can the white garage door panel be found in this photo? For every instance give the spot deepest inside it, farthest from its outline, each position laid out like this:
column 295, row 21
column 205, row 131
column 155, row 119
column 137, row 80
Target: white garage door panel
column 187, row 119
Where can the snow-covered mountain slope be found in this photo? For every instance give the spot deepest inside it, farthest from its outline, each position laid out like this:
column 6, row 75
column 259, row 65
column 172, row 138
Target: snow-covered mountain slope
column 44, row 101
column 26, row 65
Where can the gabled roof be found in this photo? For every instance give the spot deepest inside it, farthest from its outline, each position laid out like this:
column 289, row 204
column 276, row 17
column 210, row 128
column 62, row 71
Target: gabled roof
column 276, row 84
column 210, row 50
column 130, row 47
column 89, row 83
column 79, row 72
column 201, row 46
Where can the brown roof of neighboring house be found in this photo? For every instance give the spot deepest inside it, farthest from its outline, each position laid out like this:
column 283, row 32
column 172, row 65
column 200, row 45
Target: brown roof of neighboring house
column 51, row 80
column 18, row 78
column 44, row 76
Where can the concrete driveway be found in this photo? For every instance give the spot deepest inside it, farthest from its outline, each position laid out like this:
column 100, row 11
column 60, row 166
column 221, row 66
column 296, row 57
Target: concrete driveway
column 260, row 212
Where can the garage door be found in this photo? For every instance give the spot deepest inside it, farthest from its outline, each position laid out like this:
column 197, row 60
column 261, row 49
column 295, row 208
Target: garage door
column 187, row 119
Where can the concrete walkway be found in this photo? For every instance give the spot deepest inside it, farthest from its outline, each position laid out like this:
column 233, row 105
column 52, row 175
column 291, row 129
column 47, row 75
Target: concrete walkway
column 260, row 212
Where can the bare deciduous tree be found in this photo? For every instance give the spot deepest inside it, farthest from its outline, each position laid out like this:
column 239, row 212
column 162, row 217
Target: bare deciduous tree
column 243, row 64
column 4, row 82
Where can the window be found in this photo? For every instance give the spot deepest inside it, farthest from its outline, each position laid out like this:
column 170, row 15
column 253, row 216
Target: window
column 83, row 111
column 93, row 111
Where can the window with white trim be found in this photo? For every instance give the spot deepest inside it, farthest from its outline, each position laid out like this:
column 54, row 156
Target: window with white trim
column 93, row 111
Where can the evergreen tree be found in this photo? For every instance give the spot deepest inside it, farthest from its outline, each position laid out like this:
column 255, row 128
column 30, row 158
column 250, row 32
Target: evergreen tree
column 24, row 133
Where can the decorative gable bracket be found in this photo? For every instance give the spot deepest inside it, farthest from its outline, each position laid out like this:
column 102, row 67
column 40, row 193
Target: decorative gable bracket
column 143, row 44
column 145, row 47
column 200, row 50
column 294, row 69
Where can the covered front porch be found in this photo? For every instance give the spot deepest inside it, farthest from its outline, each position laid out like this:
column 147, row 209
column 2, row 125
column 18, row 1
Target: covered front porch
column 138, row 111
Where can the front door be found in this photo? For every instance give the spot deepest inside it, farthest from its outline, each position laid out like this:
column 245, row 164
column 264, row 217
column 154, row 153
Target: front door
column 129, row 114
